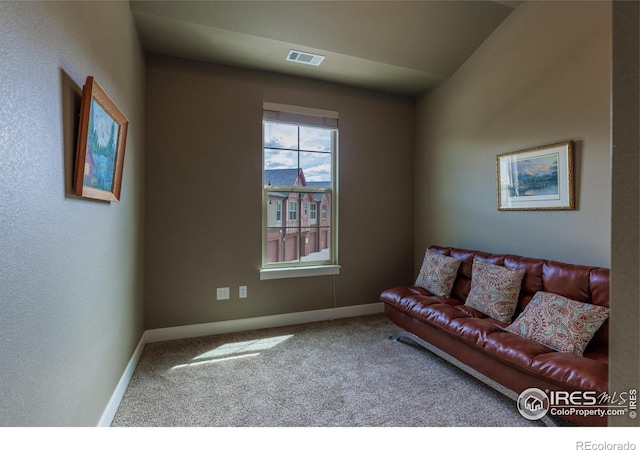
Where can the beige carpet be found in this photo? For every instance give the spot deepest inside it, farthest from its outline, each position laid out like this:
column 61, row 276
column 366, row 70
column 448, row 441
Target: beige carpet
column 340, row 373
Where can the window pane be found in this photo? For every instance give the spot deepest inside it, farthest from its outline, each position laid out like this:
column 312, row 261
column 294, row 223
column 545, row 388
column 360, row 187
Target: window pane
column 315, row 244
column 316, row 168
column 281, row 168
column 279, row 135
column 316, row 139
column 292, row 244
column 276, row 245
column 283, row 244
column 280, row 159
column 299, row 238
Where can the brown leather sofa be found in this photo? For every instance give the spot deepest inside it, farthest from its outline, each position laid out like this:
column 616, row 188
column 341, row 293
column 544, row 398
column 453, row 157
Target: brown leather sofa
column 480, row 345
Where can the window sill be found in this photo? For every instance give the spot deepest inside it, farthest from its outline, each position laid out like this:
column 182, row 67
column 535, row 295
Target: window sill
column 296, row 272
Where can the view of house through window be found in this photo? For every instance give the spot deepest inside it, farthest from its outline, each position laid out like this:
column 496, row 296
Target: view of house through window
column 299, row 174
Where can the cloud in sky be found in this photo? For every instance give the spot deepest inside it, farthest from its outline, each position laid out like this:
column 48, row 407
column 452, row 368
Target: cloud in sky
column 280, row 159
column 318, row 173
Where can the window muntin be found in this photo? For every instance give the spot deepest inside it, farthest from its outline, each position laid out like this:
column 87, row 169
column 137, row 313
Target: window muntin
column 299, row 165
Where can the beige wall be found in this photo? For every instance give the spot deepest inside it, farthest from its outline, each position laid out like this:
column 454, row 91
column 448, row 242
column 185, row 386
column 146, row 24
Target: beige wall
column 203, row 191
column 71, row 269
column 542, row 77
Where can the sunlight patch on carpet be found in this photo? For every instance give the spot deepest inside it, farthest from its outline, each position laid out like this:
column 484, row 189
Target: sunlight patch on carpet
column 211, row 361
column 235, row 350
column 245, row 346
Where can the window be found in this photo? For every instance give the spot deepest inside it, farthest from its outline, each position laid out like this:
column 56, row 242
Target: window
column 314, row 208
column 299, row 169
column 293, row 210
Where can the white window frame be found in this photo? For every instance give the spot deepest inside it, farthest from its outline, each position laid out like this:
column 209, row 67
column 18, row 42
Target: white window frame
column 313, row 212
column 294, row 269
column 293, row 210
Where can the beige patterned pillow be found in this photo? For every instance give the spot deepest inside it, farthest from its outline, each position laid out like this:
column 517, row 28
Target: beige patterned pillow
column 494, row 290
column 438, row 273
column 559, row 323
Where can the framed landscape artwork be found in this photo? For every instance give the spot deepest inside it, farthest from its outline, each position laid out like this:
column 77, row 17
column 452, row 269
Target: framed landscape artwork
column 101, row 143
column 540, row 178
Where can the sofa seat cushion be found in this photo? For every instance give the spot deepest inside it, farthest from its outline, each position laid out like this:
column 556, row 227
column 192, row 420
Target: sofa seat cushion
column 475, row 330
column 442, row 316
column 413, row 305
column 460, row 322
column 395, row 295
column 406, row 297
column 514, row 349
column 586, row 373
column 446, row 313
column 575, row 372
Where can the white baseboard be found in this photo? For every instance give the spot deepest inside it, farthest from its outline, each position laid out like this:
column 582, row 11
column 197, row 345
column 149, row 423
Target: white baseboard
column 227, row 326
column 110, row 411
column 256, row 323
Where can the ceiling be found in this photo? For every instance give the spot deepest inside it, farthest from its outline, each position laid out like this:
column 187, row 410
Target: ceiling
column 404, row 47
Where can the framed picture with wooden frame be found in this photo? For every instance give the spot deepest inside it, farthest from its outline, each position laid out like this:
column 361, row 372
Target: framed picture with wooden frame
column 102, row 137
column 539, row 178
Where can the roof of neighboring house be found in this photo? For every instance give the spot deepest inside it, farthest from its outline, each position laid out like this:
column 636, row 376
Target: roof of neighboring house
column 288, row 177
column 283, row 177
column 318, row 184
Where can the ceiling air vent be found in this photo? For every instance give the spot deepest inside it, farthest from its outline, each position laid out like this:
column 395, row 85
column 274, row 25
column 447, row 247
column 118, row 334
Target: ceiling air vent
column 304, row 58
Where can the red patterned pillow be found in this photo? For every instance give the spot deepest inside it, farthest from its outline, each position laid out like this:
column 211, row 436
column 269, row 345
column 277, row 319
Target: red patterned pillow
column 438, row 273
column 494, row 290
column 559, row 323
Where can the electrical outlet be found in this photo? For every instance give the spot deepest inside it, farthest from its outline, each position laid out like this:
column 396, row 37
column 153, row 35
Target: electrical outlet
column 222, row 293
column 242, row 292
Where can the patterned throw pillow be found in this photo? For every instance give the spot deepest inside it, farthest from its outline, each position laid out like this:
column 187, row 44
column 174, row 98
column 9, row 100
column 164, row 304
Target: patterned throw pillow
column 559, row 323
column 494, row 290
column 438, row 273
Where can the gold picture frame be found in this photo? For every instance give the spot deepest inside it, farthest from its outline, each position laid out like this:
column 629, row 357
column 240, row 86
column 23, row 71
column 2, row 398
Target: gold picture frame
column 102, row 137
column 539, row 178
